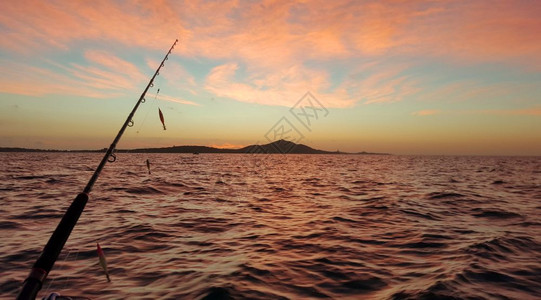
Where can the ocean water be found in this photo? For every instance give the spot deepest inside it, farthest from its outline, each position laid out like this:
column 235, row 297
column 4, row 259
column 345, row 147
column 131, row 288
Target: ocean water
column 242, row 226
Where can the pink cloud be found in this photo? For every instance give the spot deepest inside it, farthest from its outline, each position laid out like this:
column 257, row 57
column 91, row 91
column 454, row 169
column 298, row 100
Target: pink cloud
column 375, row 82
column 281, row 88
column 269, row 32
column 33, row 81
column 271, row 38
column 105, row 76
column 38, row 25
column 427, row 112
column 175, row 75
column 477, row 31
column 115, row 64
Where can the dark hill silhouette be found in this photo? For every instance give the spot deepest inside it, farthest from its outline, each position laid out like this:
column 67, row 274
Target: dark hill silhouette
column 280, row 146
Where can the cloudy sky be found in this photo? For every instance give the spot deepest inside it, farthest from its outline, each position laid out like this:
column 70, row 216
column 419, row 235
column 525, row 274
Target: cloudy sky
column 405, row 77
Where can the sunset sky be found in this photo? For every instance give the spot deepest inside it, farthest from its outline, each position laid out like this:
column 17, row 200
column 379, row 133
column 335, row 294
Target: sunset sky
column 404, row 77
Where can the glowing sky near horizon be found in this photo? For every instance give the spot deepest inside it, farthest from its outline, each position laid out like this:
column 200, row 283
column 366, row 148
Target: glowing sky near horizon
column 404, row 77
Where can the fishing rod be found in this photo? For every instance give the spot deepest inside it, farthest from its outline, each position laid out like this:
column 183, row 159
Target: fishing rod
column 52, row 249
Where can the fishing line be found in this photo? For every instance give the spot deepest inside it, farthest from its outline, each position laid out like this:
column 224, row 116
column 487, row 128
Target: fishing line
column 59, row 269
column 153, row 104
column 74, row 259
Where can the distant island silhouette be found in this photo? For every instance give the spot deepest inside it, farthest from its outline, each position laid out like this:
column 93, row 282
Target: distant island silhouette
column 277, row 147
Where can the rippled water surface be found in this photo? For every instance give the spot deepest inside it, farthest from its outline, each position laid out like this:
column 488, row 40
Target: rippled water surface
column 278, row 226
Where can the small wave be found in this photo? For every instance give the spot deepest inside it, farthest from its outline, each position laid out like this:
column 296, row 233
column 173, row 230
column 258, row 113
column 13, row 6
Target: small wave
column 11, row 286
column 369, row 283
column 255, row 271
column 251, row 237
column 360, row 182
column 344, row 189
column 256, row 208
column 423, row 244
column 176, row 184
column 30, row 177
column 155, row 236
column 378, row 207
column 143, row 190
column 40, row 215
column 500, row 248
column 365, row 241
column 23, row 255
column 495, row 214
column 220, row 200
column 439, row 290
column 9, row 225
column 427, row 216
column 89, row 254
column 437, row 236
column 207, row 225
column 229, row 292
column 131, row 173
column 341, row 219
column 147, row 278
column 439, row 195
column 54, row 181
column 310, row 235
column 530, row 223
column 372, row 199
column 137, row 229
column 489, row 276
column 199, row 243
column 217, row 293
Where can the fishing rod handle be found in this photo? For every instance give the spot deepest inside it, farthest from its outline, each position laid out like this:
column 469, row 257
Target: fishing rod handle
column 52, row 250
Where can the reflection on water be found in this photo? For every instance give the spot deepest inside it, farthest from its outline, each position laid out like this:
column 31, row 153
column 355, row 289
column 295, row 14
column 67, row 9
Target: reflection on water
column 278, row 226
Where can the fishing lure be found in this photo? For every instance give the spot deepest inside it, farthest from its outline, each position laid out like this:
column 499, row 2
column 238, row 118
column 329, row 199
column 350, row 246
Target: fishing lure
column 161, row 118
column 103, row 262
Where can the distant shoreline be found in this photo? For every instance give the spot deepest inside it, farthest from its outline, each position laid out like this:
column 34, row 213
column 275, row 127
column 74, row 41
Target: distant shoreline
column 277, row 147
